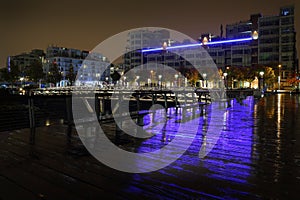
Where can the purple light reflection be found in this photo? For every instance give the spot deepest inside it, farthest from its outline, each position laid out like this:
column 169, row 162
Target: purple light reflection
column 230, row 160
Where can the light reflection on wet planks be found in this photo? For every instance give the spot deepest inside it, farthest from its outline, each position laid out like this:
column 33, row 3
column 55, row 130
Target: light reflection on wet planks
column 238, row 167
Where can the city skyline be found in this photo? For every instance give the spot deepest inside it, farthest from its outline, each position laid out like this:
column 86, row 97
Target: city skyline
column 84, row 25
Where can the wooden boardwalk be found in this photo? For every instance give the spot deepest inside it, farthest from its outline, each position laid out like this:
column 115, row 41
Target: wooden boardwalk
column 53, row 168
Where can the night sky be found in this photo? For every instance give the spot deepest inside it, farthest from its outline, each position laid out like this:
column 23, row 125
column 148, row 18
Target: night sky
column 26, row 25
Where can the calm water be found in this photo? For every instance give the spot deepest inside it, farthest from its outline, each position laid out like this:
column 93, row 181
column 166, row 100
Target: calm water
column 257, row 155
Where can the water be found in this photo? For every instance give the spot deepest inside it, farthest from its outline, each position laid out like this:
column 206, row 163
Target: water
column 257, row 155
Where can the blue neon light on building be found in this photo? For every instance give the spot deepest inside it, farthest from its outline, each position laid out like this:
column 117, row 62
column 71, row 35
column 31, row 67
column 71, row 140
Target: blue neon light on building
column 200, row 44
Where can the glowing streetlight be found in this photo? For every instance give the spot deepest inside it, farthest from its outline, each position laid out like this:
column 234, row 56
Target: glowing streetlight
column 176, row 77
column 125, row 81
column 225, row 77
column 159, row 77
column 205, row 80
column 255, row 35
column 261, row 73
column 112, row 70
column 262, row 79
column 137, row 78
column 279, row 67
column 205, row 40
column 21, row 79
column 151, row 76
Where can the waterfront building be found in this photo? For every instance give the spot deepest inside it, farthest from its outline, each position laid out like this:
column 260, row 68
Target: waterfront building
column 142, row 39
column 277, row 42
column 261, row 40
column 25, row 60
column 68, row 60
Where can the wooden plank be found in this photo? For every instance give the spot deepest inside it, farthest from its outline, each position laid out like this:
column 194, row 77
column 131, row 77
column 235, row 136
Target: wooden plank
column 75, row 170
column 11, row 190
column 37, row 186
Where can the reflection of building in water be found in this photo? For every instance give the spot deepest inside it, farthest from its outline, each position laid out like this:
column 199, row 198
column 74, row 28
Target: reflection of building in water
column 68, row 60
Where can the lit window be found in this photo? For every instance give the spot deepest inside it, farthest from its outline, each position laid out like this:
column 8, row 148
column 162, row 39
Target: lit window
column 286, row 12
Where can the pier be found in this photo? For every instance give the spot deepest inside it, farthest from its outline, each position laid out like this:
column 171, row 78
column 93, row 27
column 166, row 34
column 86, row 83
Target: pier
column 241, row 165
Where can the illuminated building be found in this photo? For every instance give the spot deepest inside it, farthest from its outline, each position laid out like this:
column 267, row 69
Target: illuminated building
column 277, row 41
column 261, row 40
column 25, row 60
column 141, row 39
column 89, row 65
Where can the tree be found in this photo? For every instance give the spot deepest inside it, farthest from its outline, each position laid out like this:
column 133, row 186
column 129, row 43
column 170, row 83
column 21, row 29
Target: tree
column 71, row 75
column 294, row 80
column 54, row 75
column 269, row 76
column 10, row 75
column 35, row 71
column 190, row 73
column 193, row 76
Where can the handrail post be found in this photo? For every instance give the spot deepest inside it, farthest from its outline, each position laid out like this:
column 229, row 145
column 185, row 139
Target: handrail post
column 31, row 118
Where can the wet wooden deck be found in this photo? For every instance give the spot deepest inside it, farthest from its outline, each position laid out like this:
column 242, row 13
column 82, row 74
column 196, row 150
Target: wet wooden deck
column 237, row 168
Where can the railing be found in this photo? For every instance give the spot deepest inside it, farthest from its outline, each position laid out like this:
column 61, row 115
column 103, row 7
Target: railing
column 32, row 110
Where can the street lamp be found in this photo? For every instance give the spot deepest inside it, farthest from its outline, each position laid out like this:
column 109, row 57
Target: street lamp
column 112, row 71
column 279, row 67
column 125, row 81
column 205, row 80
column 176, row 77
column 21, row 79
column 137, row 78
column 262, row 79
column 159, row 77
column 106, row 80
column 151, row 77
column 225, row 77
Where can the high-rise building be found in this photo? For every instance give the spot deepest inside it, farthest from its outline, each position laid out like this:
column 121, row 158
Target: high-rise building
column 277, row 42
column 261, row 40
column 143, row 39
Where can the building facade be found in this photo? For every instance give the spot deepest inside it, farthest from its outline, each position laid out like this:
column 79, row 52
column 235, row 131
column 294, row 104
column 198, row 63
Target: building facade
column 277, row 43
column 143, row 39
column 25, row 60
column 89, row 66
column 261, row 40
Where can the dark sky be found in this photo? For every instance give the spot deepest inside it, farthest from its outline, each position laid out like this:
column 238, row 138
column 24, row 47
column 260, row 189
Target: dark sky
column 83, row 24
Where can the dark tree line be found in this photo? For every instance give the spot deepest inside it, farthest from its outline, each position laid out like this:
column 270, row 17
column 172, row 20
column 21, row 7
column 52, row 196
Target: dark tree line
column 34, row 73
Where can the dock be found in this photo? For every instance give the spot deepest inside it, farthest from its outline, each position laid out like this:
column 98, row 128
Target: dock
column 56, row 168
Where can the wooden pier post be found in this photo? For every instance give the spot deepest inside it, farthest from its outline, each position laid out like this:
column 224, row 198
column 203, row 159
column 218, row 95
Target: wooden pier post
column 166, row 102
column 119, row 127
column 97, row 106
column 140, row 118
column 153, row 98
column 101, row 107
column 31, row 118
column 176, row 103
column 69, row 118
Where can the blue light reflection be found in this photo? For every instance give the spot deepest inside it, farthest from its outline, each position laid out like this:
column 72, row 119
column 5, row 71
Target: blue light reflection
column 230, row 161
